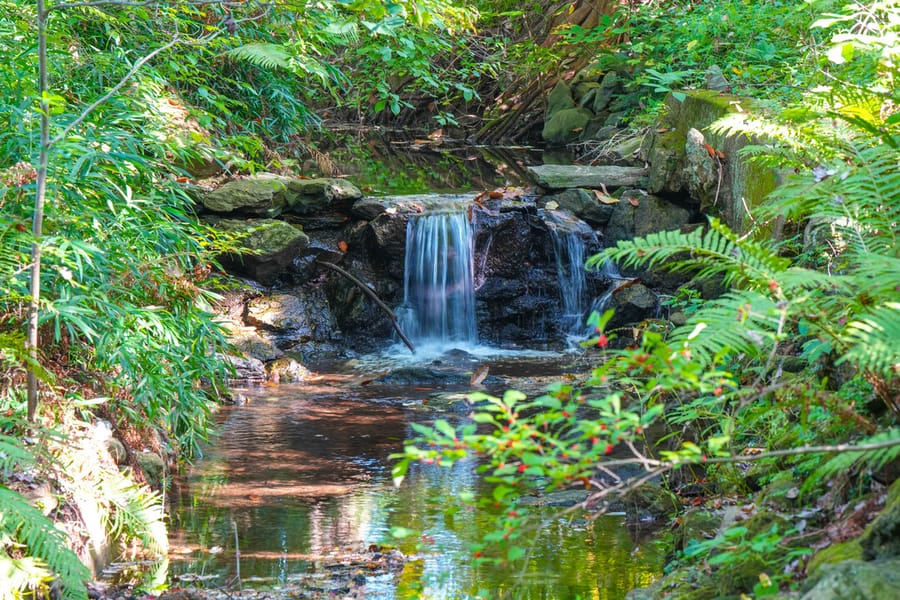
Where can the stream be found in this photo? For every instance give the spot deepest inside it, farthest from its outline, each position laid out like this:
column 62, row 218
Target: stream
column 299, row 481
column 295, row 494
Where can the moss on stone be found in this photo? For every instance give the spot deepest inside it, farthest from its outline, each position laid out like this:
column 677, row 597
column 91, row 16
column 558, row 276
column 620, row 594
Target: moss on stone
column 835, row 553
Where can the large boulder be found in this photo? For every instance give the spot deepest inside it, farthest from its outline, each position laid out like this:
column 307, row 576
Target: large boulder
column 561, row 177
column 882, row 536
column 272, row 245
column 738, row 186
column 260, row 195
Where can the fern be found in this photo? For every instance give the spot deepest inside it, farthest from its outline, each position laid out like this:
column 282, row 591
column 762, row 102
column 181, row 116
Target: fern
column 267, row 56
column 844, row 462
column 134, row 511
column 717, row 250
column 46, row 549
column 13, row 455
column 874, row 339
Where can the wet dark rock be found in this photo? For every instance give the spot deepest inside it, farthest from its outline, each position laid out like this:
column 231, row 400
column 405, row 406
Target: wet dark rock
column 274, row 243
column 585, row 205
column 388, row 234
column 259, row 195
column 633, row 305
column 368, row 208
column 560, row 177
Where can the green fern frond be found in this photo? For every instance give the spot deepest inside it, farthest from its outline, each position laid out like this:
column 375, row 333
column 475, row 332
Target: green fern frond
column 267, row 56
column 717, row 250
column 25, row 525
column 845, row 461
column 874, row 339
column 13, row 455
column 134, row 511
column 740, row 322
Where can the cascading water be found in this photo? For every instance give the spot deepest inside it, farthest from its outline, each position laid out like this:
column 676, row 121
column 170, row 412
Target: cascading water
column 439, row 289
column 568, row 234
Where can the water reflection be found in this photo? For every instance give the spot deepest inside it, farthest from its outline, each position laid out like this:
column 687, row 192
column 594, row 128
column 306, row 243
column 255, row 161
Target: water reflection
column 301, row 471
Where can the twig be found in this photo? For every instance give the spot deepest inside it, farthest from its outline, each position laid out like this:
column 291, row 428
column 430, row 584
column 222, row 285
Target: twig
column 374, row 297
column 237, row 555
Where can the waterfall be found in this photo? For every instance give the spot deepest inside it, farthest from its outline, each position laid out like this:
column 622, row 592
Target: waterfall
column 438, row 283
column 568, row 234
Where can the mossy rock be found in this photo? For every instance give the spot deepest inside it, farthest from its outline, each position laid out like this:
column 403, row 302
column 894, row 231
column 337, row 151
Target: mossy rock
column 696, row 525
column 566, row 125
column 689, row 583
column 856, row 580
column 782, row 493
column 650, row 500
column 308, row 196
column 882, row 536
column 153, row 467
column 259, row 195
column 835, row 553
column 739, row 576
column 560, row 98
column 273, row 244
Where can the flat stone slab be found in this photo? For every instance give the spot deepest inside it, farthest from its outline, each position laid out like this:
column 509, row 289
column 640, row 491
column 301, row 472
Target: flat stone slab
column 561, row 177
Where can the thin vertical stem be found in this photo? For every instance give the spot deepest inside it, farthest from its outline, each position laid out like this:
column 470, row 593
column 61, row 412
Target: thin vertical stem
column 38, row 216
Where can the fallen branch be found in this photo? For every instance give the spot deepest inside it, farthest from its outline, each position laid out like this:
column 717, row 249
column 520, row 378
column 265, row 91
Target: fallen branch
column 374, row 297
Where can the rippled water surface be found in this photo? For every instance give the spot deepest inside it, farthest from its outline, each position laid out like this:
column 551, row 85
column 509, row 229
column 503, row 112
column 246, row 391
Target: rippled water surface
column 301, row 472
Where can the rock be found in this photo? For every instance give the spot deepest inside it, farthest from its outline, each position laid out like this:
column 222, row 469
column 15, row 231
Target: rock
column 116, row 450
column 274, row 243
column 835, row 553
column 882, row 537
column 566, row 126
column 286, row 370
column 585, row 205
column 696, row 525
column 301, row 316
column 246, row 369
column 153, row 467
column 715, row 80
column 650, row 501
column 560, row 98
column 582, row 89
column 368, row 208
column 608, row 87
column 248, row 341
column 561, row 177
column 744, row 184
column 701, row 171
column 856, row 580
column 690, row 583
column 633, row 305
column 259, row 195
column 638, row 214
column 615, row 119
column 306, row 196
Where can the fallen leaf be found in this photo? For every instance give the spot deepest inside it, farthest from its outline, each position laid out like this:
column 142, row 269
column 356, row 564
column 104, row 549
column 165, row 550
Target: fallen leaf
column 720, row 155
column 551, row 205
column 634, row 202
column 495, row 195
column 437, row 134
column 479, row 375
column 710, row 150
column 343, row 245
column 605, row 199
